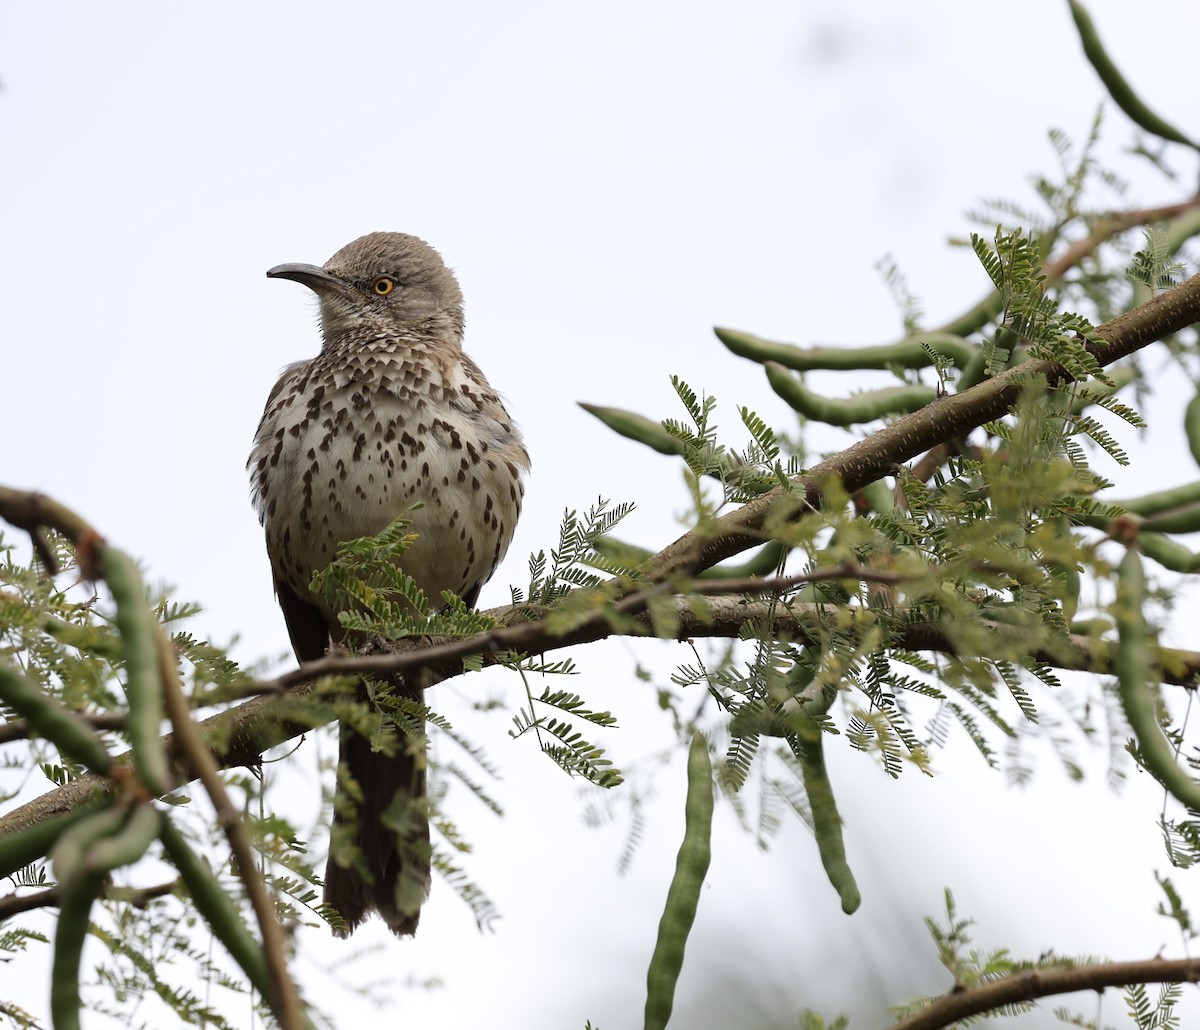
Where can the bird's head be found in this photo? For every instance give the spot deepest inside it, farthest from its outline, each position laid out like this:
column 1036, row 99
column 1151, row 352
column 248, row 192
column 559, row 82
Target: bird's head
column 383, row 281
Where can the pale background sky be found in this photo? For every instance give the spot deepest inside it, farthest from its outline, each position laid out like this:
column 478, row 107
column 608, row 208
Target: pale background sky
column 608, row 184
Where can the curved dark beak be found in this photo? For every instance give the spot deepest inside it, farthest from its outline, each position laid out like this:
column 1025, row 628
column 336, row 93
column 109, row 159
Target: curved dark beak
column 312, row 276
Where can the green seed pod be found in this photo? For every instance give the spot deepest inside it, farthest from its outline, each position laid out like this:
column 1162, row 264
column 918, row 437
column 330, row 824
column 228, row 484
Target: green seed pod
column 880, row 497
column 1134, row 666
column 1162, row 500
column 1182, row 520
column 974, row 319
column 636, row 427
column 849, row 411
column 143, row 685
column 1170, row 554
column 68, row 853
column 128, row 844
column 50, row 719
column 1087, row 395
column 691, row 866
column 974, row 372
column 763, row 563
column 904, row 354
column 1180, row 229
column 217, row 908
column 1116, row 84
column 827, row 822
column 74, row 921
column 21, row 847
column 1096, row 627
column 621, row 552
column 1191, row 426
column 631, row 556
column 1067, row 583
column 82, row 858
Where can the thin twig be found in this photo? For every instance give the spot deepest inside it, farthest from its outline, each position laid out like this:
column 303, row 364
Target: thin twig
column 285, row 1002
column 726, row 617
column 932, row 460
column 1105, row 228
column 1108, row 226
column 19, row 729
column 14, row 904
column 1031, row 984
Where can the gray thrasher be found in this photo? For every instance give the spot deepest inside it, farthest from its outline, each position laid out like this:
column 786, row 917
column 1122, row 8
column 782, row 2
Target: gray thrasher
column 390, row 413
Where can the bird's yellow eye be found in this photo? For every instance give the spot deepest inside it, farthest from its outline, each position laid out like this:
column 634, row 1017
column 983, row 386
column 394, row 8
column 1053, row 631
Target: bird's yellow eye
column 383, row 285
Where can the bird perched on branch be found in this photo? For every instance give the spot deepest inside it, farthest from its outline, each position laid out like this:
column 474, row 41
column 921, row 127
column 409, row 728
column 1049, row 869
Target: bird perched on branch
column 389, row 414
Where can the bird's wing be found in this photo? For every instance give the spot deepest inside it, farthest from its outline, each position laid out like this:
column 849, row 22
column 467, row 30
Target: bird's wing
column 306, row 625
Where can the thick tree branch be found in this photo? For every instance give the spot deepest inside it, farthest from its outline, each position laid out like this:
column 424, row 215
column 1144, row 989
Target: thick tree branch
column 948, row 417
column 1041, row 983
column 239, row 736
column 1104, row 228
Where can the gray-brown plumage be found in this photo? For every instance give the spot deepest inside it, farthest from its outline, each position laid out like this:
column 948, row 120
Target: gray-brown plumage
column 390, row 413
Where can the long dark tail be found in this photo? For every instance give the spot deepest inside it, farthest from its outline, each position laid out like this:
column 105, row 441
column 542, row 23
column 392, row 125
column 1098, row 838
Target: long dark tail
column 379, row 853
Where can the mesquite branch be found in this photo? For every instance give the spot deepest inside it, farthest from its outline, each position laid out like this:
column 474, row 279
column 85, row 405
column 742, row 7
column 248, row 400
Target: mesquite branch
column 1031, row 984
column 259, row 724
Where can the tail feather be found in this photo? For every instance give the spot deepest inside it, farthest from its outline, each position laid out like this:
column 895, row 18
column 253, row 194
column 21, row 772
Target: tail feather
column 387, row 870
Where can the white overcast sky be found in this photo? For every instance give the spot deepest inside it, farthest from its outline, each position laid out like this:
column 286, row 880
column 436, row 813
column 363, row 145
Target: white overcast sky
column 609, row 182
